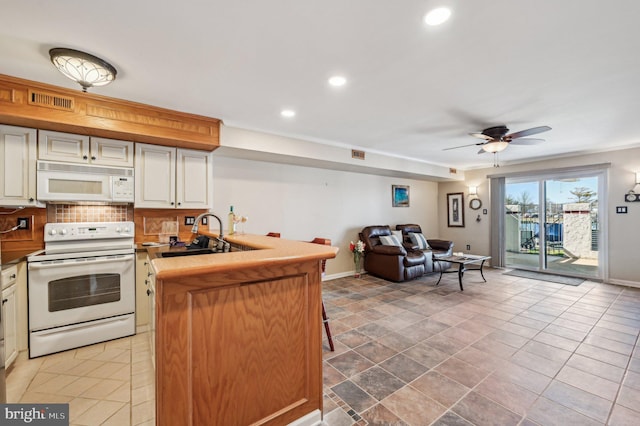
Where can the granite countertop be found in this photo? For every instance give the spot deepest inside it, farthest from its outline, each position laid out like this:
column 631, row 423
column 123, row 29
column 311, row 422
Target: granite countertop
column 262, row 251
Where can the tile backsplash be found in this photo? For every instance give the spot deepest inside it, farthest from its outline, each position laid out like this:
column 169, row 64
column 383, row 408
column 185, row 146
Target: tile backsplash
column 59, row 213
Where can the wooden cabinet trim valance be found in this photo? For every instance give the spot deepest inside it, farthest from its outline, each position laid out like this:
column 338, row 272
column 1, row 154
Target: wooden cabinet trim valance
column 43, row 106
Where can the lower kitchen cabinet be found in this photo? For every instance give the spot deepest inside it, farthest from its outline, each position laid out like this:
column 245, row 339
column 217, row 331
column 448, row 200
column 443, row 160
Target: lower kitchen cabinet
column 10, row 317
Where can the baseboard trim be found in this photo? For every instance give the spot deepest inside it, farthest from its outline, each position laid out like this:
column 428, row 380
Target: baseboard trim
column 341, row 275
column 625, row 283
column 314, row 418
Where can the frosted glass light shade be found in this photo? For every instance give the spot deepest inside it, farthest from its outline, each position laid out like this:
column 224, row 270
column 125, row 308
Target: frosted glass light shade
column 83, row 68
column 495, row 146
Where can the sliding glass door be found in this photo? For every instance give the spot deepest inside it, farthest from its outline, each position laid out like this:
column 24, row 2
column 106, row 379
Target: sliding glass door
column 552, row 224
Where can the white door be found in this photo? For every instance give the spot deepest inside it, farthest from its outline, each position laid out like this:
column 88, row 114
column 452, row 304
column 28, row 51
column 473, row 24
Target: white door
column 194, row 178
column 18, row 161
column 155, row 170
column 111, row 152
column 67, row 147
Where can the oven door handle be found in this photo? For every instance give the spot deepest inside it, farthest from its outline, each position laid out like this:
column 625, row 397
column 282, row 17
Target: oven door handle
column 67, row 262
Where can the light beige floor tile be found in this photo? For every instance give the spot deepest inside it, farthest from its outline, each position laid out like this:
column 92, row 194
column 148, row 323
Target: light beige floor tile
column 121, row 418
column 143, row 394
column 106, row 370
column 78, row 406
column 98, row 413
column 103, row 388
column 142, row 412
column 122, row 394
column 41, row 398
column 55, row 384
column 79, row 386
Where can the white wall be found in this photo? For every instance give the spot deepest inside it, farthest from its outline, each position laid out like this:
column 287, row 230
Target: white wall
column 305, row 202
column 624, row 229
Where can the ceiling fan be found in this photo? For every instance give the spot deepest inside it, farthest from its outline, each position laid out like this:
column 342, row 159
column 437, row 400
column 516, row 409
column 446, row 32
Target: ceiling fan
column 496, row 138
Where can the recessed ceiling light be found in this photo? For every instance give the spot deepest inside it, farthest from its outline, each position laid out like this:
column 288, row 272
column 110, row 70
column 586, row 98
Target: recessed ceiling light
column 437, row 16
column 337, row 81
column 288, row 113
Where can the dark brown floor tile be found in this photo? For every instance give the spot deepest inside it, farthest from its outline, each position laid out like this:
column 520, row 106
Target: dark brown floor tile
column 372, row 314
column 603, row 355
column 623, row 416
column 404, row 367
column 375, row 351
column 379, row 415
column 440, row 388
column 378, row 382
column 350, row 363
column 451, row 419
column 556, row 341
column 413, row 407
column 355, row 397
column 583, row 402
column 588, row 382
column 426, row 355
column 506, row 393
column 354, row 320
column 461, row 372
column 550, row 413
column 524, row 377
column 482, row 411
column 353, row 338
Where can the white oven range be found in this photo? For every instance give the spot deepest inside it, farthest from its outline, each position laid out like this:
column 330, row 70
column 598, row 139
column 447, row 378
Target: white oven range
column 82, row 286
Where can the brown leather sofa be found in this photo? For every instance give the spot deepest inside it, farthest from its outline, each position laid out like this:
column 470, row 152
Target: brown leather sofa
column 439, row 248
column 393, row 263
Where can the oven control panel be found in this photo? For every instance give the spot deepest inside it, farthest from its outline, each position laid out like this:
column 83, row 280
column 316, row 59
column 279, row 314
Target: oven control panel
column 88, row 231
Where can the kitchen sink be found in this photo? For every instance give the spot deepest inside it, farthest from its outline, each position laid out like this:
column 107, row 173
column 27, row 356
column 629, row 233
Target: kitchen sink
column 188, row 252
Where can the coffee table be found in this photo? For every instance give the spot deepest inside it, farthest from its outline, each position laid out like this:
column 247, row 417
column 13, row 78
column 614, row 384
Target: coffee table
column 463, row 262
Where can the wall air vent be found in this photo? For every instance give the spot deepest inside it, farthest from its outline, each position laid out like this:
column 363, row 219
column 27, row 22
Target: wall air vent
column 359, row 155
column 453, row 171
column 50, row 100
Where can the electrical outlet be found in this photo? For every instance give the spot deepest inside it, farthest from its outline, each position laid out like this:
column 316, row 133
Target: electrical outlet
column 23, row 223
column 205, row 220
column 468, row 246
column 189, row 220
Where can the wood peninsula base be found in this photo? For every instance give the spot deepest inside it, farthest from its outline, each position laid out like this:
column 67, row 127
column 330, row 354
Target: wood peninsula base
column 238, row 339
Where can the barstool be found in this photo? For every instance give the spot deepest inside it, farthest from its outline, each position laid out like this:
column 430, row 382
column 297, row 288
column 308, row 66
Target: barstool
column 325, row 319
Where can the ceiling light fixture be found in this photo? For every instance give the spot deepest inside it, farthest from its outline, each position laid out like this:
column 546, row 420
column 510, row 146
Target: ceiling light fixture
column 288, row 113
column 437, row 16
column 337, row 81
column 83, row 68
column 495, row 146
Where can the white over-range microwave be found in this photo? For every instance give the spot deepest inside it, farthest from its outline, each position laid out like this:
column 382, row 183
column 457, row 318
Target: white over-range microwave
column 79, row 182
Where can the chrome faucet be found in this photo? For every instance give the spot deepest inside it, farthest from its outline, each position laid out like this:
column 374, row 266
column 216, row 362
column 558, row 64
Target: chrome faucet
column 194, row 229
column 222, row 245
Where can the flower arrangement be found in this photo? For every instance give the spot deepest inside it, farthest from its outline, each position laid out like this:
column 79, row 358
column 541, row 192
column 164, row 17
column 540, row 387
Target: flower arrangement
column 357, row 249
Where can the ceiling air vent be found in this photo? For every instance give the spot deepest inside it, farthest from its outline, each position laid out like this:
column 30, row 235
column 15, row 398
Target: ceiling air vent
column 359, row 155
column 50, row 100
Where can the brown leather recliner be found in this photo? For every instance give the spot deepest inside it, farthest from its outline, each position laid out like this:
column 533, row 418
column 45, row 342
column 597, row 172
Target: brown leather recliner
column 394, row 263
column 439, row 248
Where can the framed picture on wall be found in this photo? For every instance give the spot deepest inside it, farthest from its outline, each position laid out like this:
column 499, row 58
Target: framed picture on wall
column 455, row 209
column 400, row 195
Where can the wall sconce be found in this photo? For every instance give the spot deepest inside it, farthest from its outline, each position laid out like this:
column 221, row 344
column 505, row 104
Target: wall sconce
column 473, row 190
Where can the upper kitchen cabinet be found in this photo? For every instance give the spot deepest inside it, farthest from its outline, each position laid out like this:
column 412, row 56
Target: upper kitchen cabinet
column 18, row 160
column 67, row 147
column 173, row 178
column 43, row 106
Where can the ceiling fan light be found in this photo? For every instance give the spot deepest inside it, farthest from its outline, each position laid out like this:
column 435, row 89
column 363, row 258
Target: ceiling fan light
column 495, row 146
column 83, row 68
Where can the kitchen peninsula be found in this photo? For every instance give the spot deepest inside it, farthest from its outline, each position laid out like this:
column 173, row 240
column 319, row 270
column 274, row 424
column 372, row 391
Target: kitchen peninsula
column 238, row 335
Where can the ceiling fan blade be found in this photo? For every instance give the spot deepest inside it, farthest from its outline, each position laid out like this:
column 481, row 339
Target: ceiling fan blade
column 463, row 146
column 528, row 132
column 481, row 136
column 527, row 141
